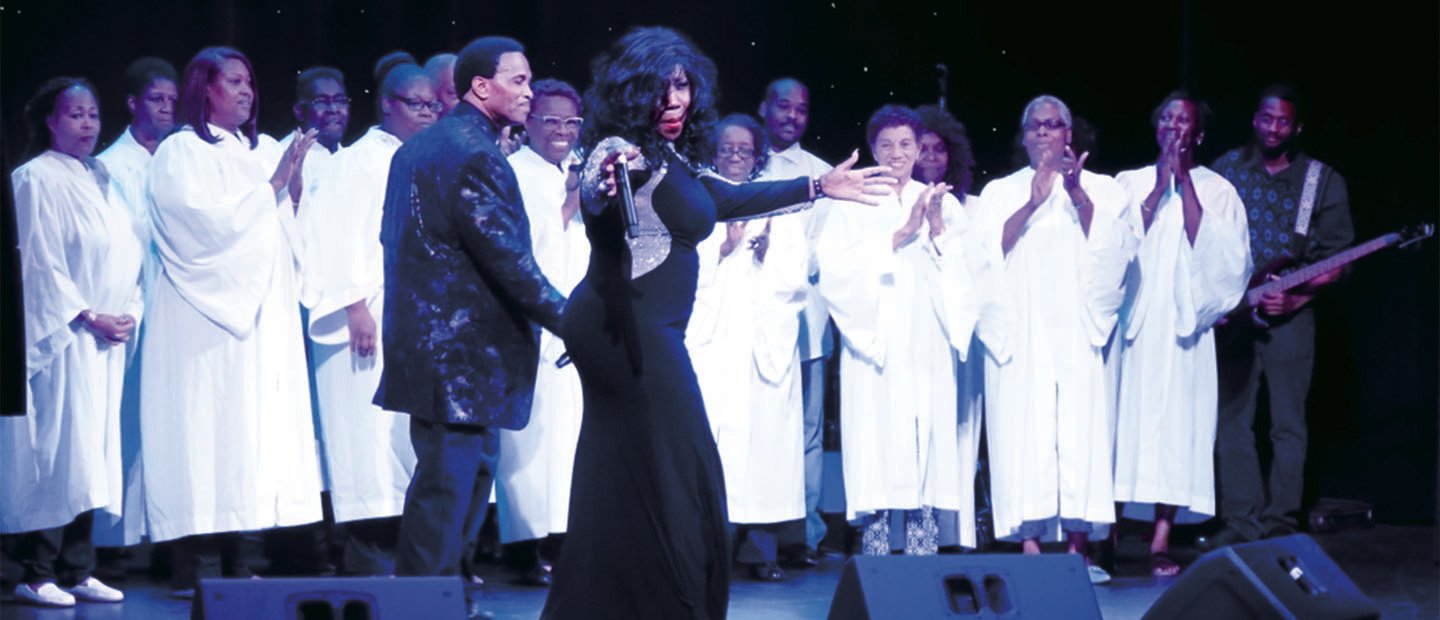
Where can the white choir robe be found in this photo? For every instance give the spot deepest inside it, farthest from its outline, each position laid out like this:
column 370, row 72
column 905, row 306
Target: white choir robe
column 1052, row 304
column 78, row 252
column 1168, row 391
column 128, row 164
column 742, row 339
column 792, row 163
column 366, row 450
column 229, row 442
column 319, row 162
column 536, row 462
column 904, row 315
column 970, row 388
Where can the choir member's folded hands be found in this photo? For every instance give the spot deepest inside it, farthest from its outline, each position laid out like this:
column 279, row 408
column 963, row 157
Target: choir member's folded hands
column 108, row 329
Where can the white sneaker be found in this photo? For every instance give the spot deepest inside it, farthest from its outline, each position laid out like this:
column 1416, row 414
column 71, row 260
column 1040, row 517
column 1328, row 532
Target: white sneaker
column 48, row 595
column 1097, row 575
column 93, row 590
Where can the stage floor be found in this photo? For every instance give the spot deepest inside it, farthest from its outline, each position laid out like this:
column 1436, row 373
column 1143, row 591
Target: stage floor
column 1394, row 565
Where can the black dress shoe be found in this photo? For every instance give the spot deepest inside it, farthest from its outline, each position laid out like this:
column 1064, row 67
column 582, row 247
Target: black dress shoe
column 768, row 571
column 539, row 577
column 801, row 559
column 1226, row 537
column 1276, row 530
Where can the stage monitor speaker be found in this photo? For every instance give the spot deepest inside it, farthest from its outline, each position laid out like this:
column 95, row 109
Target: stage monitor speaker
column 1289, row 577
column 330, row 598
column 1008, row 587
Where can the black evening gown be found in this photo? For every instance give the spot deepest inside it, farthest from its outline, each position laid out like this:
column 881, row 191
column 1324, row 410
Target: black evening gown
column 647, row 532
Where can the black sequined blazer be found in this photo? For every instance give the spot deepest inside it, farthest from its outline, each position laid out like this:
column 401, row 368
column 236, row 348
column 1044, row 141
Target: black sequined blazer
column 464, row 299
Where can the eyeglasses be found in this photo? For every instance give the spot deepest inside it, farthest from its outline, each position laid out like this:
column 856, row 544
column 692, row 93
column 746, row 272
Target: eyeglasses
column 1050, row 123
column 417, row 105
column 339, row 103
column 552, row 123
column 744, row 152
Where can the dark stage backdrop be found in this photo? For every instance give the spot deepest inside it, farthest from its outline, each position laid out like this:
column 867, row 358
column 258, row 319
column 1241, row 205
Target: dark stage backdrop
column 1374, row 405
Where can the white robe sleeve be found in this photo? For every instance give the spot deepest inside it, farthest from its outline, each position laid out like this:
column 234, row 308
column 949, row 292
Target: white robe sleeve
column 858, row 263
column 995, row 326
column 216, row 247
column 52, row 299
column 782, row 281
column 1218, row 267
column 339, row 226
column 956, row 298
column 1109, row 248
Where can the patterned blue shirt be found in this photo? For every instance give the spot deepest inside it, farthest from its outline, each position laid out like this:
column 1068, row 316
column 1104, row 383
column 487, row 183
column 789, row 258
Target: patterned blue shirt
column 1272, row 202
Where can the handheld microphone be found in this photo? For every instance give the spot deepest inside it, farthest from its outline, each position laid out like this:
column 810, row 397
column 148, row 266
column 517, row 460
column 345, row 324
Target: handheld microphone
column 632, row 221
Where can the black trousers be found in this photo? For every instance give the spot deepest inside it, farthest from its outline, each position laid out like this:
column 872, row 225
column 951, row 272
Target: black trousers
column 759, row 543
column 370, row 546
column 62, row 554
column 1284, row 357
column 205, row 556
column 446, row 502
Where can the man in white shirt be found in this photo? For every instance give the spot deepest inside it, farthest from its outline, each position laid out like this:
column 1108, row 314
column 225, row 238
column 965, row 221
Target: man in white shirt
column 533, row 477
column 322, row 104
column 786, row 113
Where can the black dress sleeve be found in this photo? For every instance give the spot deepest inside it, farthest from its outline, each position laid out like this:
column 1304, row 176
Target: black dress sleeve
column 737, row 201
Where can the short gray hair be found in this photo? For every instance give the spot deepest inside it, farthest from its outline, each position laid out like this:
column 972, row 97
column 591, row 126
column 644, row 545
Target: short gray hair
column 1042, row 100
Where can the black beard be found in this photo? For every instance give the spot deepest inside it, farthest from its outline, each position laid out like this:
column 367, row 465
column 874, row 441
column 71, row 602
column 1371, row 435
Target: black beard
column 1286, row 148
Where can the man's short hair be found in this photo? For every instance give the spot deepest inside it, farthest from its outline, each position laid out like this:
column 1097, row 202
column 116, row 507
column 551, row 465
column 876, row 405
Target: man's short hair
column 144, row 71
column 481, row 57
column 1283, row 92
column 305, row 82
column 773, row 88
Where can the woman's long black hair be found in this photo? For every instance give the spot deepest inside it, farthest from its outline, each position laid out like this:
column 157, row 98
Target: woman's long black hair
column 628, row 82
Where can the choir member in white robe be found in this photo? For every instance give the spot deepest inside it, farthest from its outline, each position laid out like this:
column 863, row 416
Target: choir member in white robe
column 229, row 441
column 80, row 270
column 151, row 98
column 1055, row 235
column 322, row 104
column 898, row 285
column 366, row 450
column 536, row 462
column 1192, row 268
column 946, row 157
column 742, row 339
column 786, row 113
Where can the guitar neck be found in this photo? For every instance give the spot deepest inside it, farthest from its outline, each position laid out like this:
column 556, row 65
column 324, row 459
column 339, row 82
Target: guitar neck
column 1311, row 271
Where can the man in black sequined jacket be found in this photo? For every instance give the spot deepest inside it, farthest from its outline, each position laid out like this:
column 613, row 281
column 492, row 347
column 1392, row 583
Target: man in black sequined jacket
column 464, row 301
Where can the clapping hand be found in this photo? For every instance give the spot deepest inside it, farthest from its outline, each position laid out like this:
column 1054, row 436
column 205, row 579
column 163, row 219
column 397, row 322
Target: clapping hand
column 1070, row 168
column 288, row 171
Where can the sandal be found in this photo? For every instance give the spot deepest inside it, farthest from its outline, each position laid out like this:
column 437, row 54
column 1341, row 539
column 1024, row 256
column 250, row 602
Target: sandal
column 1162, row 565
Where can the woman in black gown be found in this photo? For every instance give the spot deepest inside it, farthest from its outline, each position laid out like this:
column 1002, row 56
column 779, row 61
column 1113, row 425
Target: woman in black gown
column 647, row 533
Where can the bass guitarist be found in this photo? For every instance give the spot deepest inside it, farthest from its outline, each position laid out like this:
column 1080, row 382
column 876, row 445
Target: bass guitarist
column 1299, row 213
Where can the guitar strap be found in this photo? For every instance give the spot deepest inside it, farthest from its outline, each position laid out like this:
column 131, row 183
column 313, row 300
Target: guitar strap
column 1307, row 198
